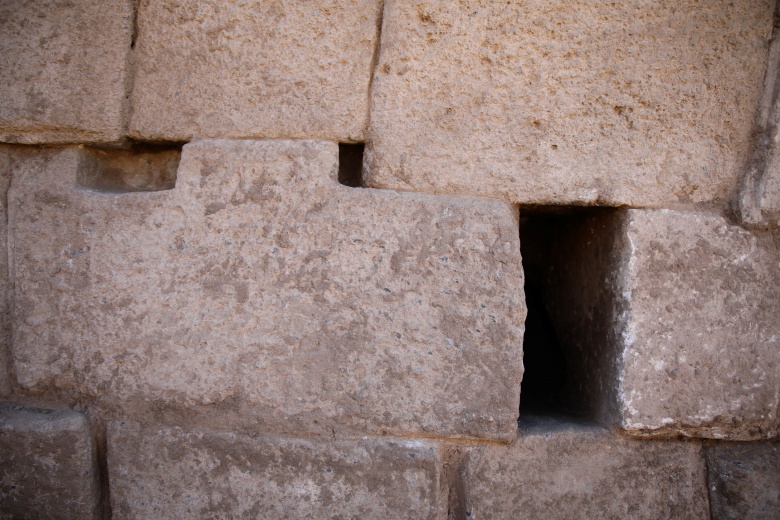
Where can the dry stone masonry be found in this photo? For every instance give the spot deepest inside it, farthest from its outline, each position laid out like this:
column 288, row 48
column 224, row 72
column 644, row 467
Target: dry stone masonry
column 389, row 259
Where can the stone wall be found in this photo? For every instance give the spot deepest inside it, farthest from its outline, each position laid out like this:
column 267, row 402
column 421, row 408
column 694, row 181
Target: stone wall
column 389, row 259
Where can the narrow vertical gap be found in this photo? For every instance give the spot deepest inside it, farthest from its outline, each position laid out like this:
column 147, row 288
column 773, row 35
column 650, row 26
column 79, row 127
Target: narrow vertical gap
column 351, row 164
column 98, row 428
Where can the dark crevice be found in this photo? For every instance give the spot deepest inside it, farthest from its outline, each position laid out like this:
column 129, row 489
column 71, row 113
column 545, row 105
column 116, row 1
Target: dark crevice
column 137, row 167
column 351, row 164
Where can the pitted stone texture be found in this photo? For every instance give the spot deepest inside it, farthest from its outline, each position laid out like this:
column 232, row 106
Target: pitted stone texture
column 744, row 480
column 6, row 291
column 567, row 471
column 243, row 68
column 172, row 473
column 64, row 68
column 47, row 464
column 567, row 101
column 701, row 340
column 260, row 294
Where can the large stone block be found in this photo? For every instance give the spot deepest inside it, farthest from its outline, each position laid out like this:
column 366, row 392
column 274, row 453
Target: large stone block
column 173, row 473
column 634, row 102
column 671, row 317
column 243, row 68
column 48, row 464
column 744, row 480
column 261, row 294
column 569, row 471
column 64, row 69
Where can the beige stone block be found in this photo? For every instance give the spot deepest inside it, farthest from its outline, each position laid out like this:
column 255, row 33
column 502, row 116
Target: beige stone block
column 567, row 102
column 744, row 480
column 173, row 473
column 48, row 464
column 570, row 471
column 243, row 68
column 260, row 294
column 669, row 321
column 64, row 70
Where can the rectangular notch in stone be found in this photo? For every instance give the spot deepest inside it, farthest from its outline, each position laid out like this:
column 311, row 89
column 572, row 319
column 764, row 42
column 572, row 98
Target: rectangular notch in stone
column 351, row 164
column 142, row 167
column 567, row 347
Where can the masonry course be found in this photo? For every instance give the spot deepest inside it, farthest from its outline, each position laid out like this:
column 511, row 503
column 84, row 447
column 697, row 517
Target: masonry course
column 315, row 307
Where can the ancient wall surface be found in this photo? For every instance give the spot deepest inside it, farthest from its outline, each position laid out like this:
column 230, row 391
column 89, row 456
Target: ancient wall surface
column 389, row 259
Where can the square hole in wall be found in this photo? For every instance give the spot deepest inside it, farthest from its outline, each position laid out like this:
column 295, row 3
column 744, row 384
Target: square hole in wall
column 570, row 262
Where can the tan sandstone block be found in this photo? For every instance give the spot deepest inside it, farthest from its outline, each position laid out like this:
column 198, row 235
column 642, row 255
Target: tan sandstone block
column 569, row 471
column 670, row 322
column 744, row 480
column 173, row 473
column 48, row 464
column 261, row 294
column 245, row 68
column 637, row 103
column 64, row 68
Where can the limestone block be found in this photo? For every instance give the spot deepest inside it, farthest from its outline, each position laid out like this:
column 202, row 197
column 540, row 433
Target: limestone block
column 64, row 69
column 260, row 294
column 564, row 101
column 701, row 340
column 668, row 320
column 744, row 480
column 173, row 473
column 47, row 464
column 243, row 68
column 6, row 293
column 569, row 471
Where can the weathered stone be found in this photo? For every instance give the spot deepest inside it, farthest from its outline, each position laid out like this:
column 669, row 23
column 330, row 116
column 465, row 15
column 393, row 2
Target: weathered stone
column 6, row 292
column 567, row 101
column 261, row 294
column 671, row 318
column 47, row 464
column 243, row 68
column 64, row 69
column 559, row 470
column 744, row 480
column 172, row 473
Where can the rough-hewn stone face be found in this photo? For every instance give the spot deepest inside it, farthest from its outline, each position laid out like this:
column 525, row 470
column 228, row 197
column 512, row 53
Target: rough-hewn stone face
column 560, row 101
column 244, row 68
column 568, row 471
column 261, row 294
column 47, row 464
column 172, row 473
column 64, row 68
column 701, row 339
column 744, row 480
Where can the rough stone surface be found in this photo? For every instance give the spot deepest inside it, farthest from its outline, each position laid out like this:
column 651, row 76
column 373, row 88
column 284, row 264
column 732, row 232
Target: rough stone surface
column 172, row 473
column 701, row 340
column 261, row 294
column 6, row 291
column 567, row 101
column 744, row 480
column 47, row 465
column 64, row 67
column 243, row 68
column 563, row 470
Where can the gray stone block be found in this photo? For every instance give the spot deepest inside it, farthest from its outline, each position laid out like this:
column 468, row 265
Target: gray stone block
column 235, row 68
column 744, row 480
column 48, row 464
column 261, row 294
column 64, row 70
column 627, row 103
column 570, row 471
column 173, row 473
